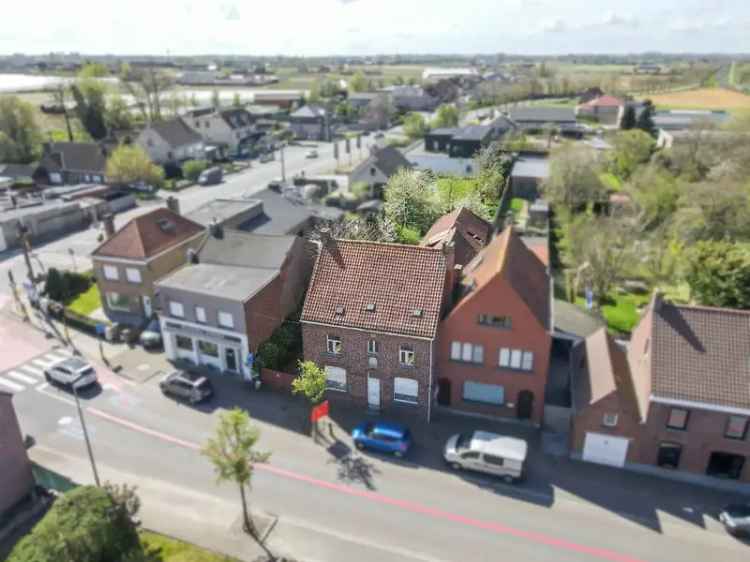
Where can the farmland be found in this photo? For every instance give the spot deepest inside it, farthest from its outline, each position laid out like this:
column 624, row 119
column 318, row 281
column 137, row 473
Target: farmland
column 703, row 98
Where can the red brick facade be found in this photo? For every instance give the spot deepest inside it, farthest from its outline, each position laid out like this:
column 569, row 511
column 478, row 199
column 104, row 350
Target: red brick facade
column 355, row 359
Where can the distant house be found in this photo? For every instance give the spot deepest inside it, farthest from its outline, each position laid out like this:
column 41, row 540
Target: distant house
column 527, row 175
column 287, row 99
column 465, row 142
column 230, row 130
column 16, row 479
column 464, row 230
column 411, row 98
column 360, row 100
column 607, row 110
column 310, row 122
column 71, row 163
column 537, row 117
column 171, row 141
column 590, row 94
column 674, row 400
column 681, row 120
column 376, row 170
column 17, row 173
column 438, row 73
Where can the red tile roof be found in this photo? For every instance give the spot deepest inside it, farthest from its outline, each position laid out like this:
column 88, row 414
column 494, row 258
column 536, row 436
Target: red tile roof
column 604, row 101
column 508, row 257
column 398, row 280
column 149, row 234
column 468, row 232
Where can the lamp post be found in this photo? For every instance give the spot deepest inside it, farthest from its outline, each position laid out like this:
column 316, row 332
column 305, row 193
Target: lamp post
column 85, row 432
column 72, row 253
column 283, row 167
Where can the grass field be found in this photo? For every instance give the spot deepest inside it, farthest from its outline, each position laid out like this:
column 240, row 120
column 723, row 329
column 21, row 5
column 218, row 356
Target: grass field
column 703, row 98
column 86, row 303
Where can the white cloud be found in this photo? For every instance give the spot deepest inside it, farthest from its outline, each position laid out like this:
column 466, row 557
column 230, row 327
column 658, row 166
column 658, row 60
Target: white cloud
column 618, row 20
column 554, row 26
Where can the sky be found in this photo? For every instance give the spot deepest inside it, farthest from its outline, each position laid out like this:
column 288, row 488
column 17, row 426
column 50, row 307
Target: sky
column 367, row 27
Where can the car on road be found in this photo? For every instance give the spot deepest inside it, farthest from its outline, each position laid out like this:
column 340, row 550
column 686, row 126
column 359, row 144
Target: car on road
column 736, row 519
column 386, row 437
column 187, row 386
column 311, row 154
column 266, row 157
column 72, row 372
column 211, row 176
column 487, row 452
column 150, row 338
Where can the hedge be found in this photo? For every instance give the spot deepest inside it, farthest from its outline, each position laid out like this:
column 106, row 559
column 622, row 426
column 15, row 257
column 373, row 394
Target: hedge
column 284, row 345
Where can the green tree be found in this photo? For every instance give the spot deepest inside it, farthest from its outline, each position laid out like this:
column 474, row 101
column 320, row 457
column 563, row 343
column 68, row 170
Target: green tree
column 91, row 106
column 313, row 95
column 398, row 80
column 147, row 87
column 573, row 178
column 708, row 213
column 20, row 137
column 358, row 82
column 117, row 116
column 85, row 525
column 447, row 116
column 656, row 195
column 130, row 164
column 718, row 273
column 232, row 452
column 409, row 200
column 93, row 70
column 310, row 383
column 632, row 149
column 192, row 168
column 628, row 118
column 345, row 111
column 415, row 126
column 645, row 121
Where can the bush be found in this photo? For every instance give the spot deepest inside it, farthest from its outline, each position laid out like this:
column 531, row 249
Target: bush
column 85, row 525
column 270, row 355
column 408, row 235
column 192, row 169
column 63, row 287
column 284, row 345
column 361, row 190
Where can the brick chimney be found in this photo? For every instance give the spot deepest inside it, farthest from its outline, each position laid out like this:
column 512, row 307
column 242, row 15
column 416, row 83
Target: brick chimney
column 173, row 204
column 109, row 225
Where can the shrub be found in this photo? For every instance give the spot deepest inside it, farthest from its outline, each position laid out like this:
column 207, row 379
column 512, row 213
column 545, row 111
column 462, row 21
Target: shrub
column 408, row 235
column 270, row 355
column 62, row 287
column 193, row 168
column 361, row 190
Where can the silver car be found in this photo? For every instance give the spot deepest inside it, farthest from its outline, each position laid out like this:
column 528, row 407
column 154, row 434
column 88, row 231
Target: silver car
column 71, row 372
column 487, row 452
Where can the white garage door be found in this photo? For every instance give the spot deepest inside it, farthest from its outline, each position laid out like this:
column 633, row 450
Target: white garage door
column 605, row 449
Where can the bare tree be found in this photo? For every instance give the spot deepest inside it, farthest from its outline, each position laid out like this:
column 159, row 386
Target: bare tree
column 147, row 87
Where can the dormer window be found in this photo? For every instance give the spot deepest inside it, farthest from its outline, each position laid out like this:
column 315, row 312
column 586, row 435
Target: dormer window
column 370, row 307
column 340, row 310
column 417, row 313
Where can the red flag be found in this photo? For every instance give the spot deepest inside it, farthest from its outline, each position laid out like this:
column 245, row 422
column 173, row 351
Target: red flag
column 319, row 411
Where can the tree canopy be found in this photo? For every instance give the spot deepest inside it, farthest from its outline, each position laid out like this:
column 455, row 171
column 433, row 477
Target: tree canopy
column 20, row 136
column 311, row 382
column 130, row 164
column 415, row 126
column 409, row 200
column 447, row 116
column 718, row 273
column 573, row 178
column 358, row 82
column 632, row 149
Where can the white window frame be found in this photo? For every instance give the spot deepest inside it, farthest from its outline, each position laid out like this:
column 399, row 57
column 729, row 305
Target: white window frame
column 515, row 358
column 406, row 356
column 200, row 314
column 504, row 358
column 456, row 350
column 333, row 344
column 176, row 309
column 467, row 352
column 405, row 390
column 372, row 347
column 527, row 361
column 225, row 319
column 609, row 420
column 133, row 275
column 112, row 294
column 111, row 273
column 335, row 382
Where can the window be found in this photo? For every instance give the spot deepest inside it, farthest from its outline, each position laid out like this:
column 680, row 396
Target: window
column 502, row 322
column 516, row 359
column 226, row 320
column 405, row 390
column 372, row 347
column 678, row 418
column 406, row 356
column 336, row 378
column 176, row 309
column 372, row 171
column 133, row 274
column 184, row 342
column 372, row 362
column 492, row 459
column 467, row 352
column 669, row 455
column 484, row 393
column 736, row 427
column 470, row 455
column 609, row 420
column 208, row 348
column 333, row 345
column 116, row 301
column 456, row 350
column 200, row 314
column 111, row 273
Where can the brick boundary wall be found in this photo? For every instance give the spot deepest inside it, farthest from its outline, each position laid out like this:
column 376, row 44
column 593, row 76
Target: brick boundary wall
column 277, row 380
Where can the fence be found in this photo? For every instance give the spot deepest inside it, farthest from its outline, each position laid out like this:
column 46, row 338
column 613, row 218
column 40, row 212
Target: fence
column 277, row 380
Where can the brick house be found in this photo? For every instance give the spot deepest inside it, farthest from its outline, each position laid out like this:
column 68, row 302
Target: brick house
column 494, row 344
column 310, row 122
column 71, row 163
column 237, row 290
column 464, row 230
column 675, row 399
column 370, row 319
column 376, row 170
column 16, row 480
column 130, row 261
column 171, row 141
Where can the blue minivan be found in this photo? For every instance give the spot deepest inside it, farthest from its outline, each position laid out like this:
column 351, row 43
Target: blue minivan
column 386, row 437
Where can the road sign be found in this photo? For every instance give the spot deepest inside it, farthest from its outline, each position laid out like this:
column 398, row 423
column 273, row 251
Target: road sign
column 101, row 329
column 319, row 411
column 250, row 360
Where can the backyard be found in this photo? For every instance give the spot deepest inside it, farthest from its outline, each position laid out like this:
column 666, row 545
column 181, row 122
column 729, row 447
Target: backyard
column 622, row 311
column 87, row 302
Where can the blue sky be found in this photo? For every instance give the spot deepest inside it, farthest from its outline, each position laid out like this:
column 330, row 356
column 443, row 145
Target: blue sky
column 362, row 27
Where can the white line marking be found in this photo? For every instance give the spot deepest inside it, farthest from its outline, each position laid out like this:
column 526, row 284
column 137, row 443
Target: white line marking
column 42, row 386
column 32, row 370
column 64, row 351
column 19, row 377
column 13, row 386
column 43, row 364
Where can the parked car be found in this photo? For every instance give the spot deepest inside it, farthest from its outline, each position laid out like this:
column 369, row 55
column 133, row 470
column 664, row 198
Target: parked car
column 487, row 452
column 187, row 386
column 211, row 176
column 71, row 372
column 385, row 437
column 736, row 519
column 150, row 338
column 142, row 186
column 311, row 154
column 266, row 157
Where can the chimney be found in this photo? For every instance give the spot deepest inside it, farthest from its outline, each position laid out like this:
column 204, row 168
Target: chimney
column 173, row 204
column 109, row 225
column 192, row 256
column 216, row 230
column 449, row 251
column 658, row 299
column 326, row 240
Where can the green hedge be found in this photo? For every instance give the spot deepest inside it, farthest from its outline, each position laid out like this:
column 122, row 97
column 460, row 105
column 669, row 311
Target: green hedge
column 193, row 168
column 66, row 285
column 284, row 345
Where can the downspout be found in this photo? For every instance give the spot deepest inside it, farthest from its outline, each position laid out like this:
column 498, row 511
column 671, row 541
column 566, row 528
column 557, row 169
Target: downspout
column 429, row 392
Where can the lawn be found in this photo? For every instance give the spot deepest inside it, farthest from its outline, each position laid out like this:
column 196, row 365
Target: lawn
column 455, row 189
column 171, row 550
column 621, row 313
column 86, row 303
column 702, row 98
column 610, row 181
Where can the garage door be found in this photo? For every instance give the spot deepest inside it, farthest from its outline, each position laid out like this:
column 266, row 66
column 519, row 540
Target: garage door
column 605, row 449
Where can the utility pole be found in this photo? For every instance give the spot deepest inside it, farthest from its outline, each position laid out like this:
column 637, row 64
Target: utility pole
column 283, row 168
column 23, row 234
column 86, row 434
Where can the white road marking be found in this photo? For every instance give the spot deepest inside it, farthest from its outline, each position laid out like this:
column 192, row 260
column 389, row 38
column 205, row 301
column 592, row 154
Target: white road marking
column 56, row 357
column 64, row 351
column 42, row 386
column 19, row 377
column 13, row 386
column 32, row 370
column 42, row 364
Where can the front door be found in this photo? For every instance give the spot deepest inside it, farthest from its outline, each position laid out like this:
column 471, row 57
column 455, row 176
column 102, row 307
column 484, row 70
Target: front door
column 231, row 359
column 147, row 310
column 444, row 392
column 373, row 393
column 525, row 404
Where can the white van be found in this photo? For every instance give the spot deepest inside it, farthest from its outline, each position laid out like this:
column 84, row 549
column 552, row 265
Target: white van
column 487, row 452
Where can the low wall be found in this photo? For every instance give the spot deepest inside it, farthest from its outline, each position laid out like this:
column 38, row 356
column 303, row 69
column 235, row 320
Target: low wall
column 277, row 380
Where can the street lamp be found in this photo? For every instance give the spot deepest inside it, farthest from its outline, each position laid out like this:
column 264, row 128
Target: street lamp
column 73, row 257
column 85, row 432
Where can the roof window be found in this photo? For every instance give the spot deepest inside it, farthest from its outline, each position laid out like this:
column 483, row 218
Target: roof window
column 370, row 307
column 340, row 310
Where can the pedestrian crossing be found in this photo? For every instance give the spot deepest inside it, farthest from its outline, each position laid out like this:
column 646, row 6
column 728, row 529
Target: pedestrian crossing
column 31, row 373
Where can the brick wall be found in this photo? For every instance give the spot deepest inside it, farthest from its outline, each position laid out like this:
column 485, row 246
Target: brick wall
column 15, row 469
column 277, row 380
column 263, row 313
column 354, row 358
